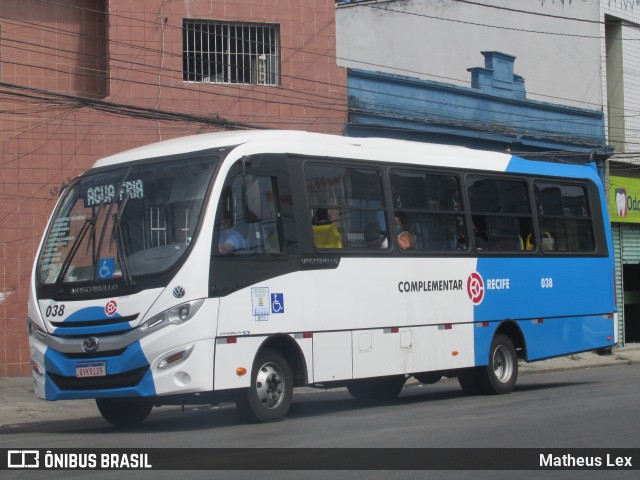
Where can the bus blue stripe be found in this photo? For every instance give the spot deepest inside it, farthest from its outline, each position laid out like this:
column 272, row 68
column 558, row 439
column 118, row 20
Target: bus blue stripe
column 132, row 358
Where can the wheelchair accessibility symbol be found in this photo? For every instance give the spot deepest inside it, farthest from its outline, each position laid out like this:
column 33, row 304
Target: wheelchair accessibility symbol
column 277, row 303
column 106, row 268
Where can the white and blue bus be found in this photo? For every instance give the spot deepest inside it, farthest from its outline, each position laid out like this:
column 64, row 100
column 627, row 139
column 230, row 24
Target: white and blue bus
column 236, row 266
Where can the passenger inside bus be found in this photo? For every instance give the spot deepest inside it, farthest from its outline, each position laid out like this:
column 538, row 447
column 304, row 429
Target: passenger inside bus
column 325, row 233
column 406, row 239
column 481, row 238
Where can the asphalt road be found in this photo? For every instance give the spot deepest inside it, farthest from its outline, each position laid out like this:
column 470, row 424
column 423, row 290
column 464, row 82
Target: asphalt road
column 592, row 408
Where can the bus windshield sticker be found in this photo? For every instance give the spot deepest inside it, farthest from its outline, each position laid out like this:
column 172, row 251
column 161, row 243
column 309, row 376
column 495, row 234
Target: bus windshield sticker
column 107, row 266
column 260, row 303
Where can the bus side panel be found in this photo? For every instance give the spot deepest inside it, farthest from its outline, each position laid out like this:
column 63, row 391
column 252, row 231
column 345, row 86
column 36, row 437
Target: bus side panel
column 483, row 334
column 559, row 336
column 544, row 287
column 409, row 350
column 230, row 355
column 332, row 357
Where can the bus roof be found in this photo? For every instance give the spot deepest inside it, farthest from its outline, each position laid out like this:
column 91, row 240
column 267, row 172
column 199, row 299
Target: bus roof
column 324, row 145
column 291, row 141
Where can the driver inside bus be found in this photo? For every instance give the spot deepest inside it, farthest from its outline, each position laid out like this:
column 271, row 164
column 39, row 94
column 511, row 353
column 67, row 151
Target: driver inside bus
column 230, row 239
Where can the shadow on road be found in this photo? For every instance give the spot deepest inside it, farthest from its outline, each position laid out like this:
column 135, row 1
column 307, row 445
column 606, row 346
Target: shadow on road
column 305, row 405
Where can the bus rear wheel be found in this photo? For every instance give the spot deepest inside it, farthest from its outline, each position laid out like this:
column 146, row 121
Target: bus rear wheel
column 502, row 371
column 124, row 412
column 379, row 389
column 499, row 376
column 270, row 394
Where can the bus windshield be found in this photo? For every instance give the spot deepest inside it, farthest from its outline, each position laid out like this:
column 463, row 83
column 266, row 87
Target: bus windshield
column 120, row 223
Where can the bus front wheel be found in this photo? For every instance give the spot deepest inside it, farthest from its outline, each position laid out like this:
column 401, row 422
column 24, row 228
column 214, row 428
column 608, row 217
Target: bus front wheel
column 270, row 394
column 499, row 376
column 123, row 412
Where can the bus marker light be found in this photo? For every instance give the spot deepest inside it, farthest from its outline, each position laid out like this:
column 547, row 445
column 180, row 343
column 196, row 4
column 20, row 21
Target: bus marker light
column 538, row 321
column 232, row 339
column 307, row 335
column 455, row 353
column 36, row 368
column 175, row 357
column 240, row 371
column 171, row 359
column 395, row 329
column 609, row 339
column 446, row 326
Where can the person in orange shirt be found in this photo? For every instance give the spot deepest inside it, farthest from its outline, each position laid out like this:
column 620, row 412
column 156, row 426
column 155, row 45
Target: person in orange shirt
column 406, row 239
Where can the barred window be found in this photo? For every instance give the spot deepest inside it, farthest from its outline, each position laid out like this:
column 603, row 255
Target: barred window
column 216, row 52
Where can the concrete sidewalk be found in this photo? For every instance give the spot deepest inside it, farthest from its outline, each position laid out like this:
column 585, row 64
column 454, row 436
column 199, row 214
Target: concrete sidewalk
column 18, row 403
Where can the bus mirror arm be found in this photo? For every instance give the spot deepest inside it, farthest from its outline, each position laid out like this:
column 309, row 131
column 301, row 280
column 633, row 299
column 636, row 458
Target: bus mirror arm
column 251, row 194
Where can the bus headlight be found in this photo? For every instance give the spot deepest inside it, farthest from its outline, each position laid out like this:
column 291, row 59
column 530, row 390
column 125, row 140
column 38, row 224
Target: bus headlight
column 175, row 315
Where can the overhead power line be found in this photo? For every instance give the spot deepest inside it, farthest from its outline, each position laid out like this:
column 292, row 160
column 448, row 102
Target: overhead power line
column 120, row 108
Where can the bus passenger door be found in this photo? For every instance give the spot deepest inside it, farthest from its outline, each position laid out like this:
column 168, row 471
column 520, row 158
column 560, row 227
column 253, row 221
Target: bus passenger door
column 254, row 248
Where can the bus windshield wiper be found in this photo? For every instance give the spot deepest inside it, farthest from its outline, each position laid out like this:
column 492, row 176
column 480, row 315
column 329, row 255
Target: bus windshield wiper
column 106, row 219
column 89, row 222
column 117, row 234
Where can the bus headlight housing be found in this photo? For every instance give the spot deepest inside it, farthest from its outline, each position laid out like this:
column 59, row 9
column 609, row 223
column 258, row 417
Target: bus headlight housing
column 34, row 329
column 175, row 315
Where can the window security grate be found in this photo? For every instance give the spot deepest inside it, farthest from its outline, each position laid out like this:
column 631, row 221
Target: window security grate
column 215, row 52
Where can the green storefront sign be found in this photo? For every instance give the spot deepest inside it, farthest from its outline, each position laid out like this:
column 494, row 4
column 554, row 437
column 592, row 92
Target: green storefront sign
column 624, row 199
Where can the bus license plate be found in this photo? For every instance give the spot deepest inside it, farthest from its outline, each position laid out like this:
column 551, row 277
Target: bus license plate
column 93, row 369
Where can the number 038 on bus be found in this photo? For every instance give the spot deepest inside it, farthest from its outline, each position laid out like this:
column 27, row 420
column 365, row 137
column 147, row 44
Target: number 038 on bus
column 237, row 266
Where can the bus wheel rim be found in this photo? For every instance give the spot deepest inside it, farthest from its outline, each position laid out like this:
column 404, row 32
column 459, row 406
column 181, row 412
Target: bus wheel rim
column 502, row 364
column 270, row 386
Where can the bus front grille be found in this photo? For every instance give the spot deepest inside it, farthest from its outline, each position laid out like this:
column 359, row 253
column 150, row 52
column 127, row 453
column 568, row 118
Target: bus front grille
column 120, row 380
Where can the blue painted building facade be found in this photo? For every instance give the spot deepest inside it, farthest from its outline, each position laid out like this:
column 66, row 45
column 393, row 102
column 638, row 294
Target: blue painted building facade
column 492, row 114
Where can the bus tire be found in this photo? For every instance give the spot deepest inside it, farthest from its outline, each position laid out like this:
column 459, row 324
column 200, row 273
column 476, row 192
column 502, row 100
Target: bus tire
column 499, row 376
column 124, row 412
column 502, row 371
column 270, row 394
column 379, row 389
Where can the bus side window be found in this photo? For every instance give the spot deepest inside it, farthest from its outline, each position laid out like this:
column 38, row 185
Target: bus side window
column 564, row 217
column 502, row 219
column 431, row 204
column 346, row 207
column 247, row 220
